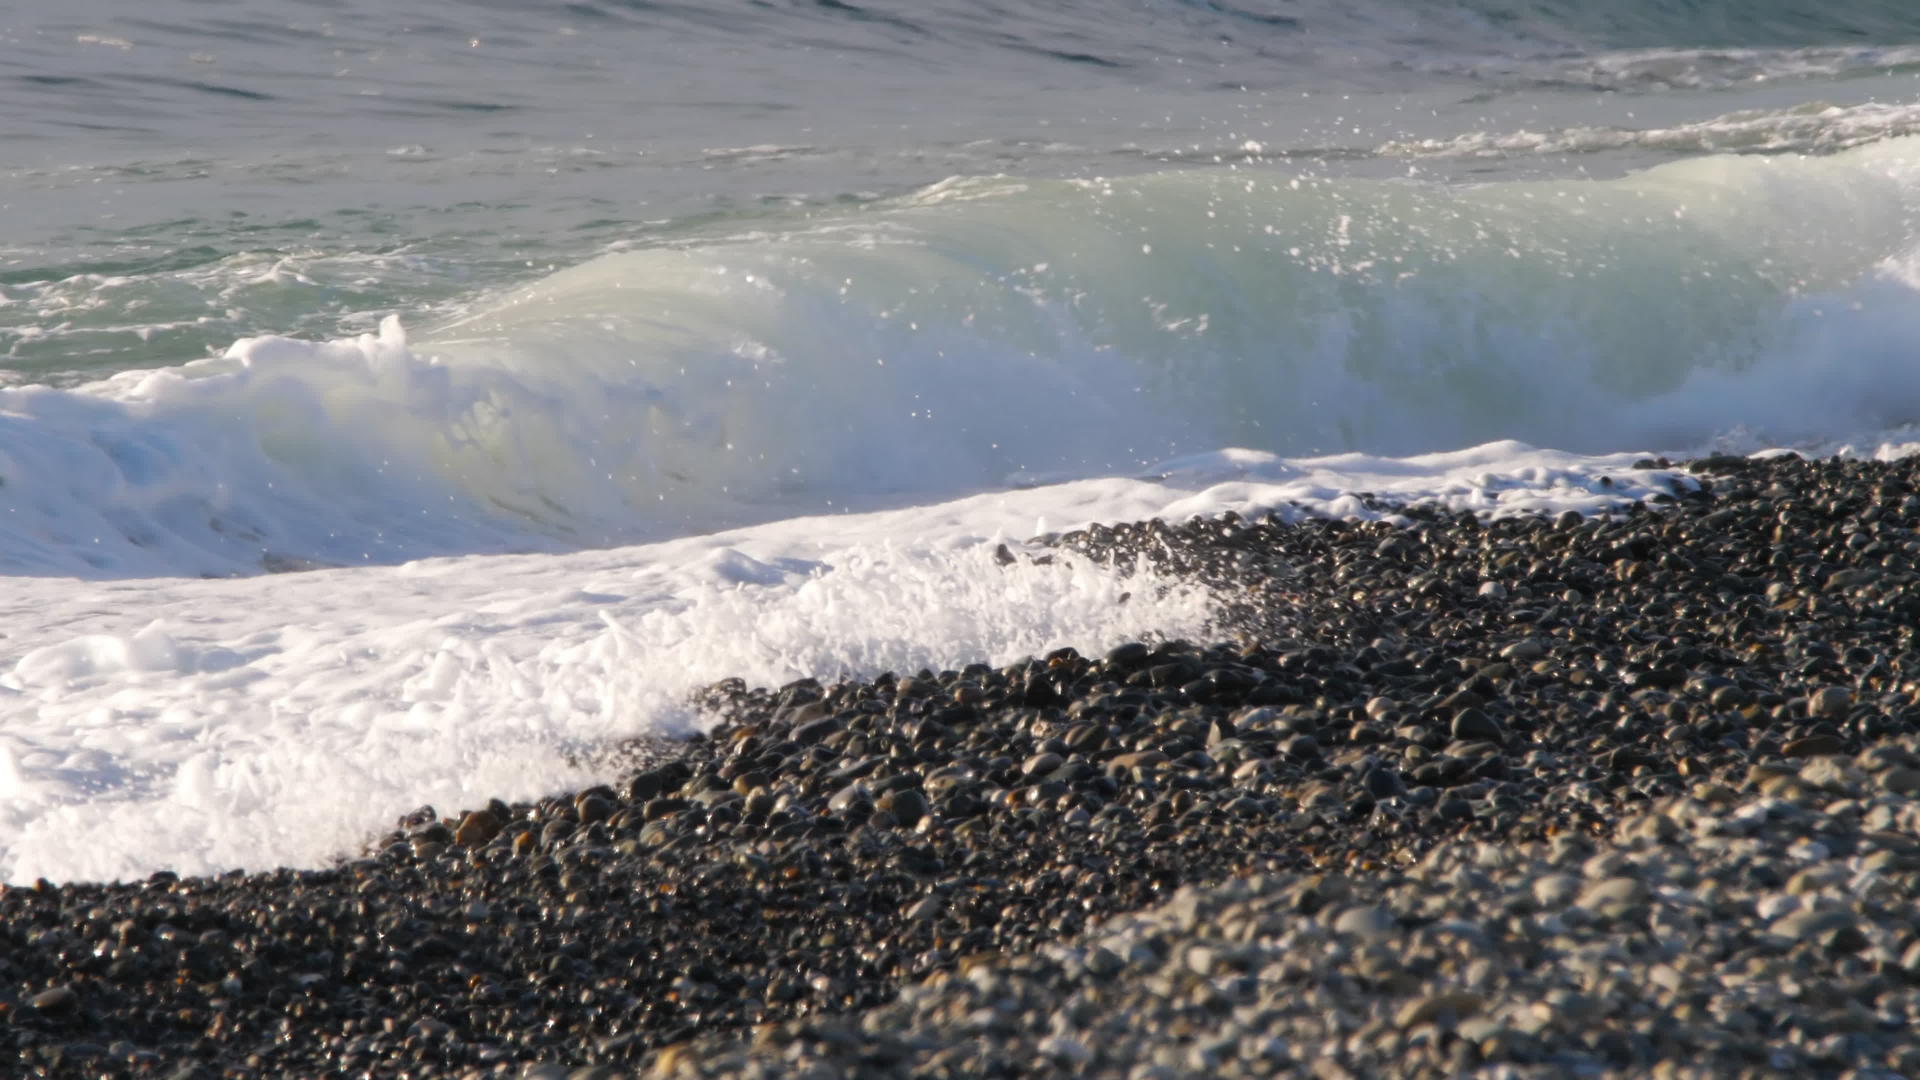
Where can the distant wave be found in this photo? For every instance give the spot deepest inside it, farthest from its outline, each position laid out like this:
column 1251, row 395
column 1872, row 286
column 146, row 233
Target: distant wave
column 1814, row 127
column 74, row 66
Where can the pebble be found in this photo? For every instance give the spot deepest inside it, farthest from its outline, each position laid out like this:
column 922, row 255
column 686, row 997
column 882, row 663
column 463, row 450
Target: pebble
column 1613, row 895
column 1470, row 724
column 1367, row 922
column 1456, row 1004
column 1555, row 890
column 1832, row 701
column 1524, row 650
column 57, row 1001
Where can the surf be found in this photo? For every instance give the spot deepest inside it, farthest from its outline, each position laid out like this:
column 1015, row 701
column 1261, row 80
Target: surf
column 989, row 332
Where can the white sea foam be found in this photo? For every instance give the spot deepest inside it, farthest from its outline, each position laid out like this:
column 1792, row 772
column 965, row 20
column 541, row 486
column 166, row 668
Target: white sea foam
column 247, row 723
column 280, row 721
column 1812, row 127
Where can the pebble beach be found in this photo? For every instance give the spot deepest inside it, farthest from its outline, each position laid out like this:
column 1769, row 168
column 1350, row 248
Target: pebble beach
column 1634, row 793
column 883, row 538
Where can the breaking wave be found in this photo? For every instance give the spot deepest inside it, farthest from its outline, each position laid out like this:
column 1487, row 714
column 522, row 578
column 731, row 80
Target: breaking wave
column 988, row 331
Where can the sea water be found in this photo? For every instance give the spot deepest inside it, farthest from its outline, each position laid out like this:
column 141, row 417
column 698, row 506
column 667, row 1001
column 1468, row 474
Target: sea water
column 409, row 402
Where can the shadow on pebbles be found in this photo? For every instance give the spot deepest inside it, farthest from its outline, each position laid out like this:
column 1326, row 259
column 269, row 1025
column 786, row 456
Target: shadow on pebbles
column 1631, row 795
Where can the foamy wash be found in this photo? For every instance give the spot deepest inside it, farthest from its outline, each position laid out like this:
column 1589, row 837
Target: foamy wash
column 819, row 305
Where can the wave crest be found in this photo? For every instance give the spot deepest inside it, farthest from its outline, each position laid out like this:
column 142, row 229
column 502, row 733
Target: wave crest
column 987, row 331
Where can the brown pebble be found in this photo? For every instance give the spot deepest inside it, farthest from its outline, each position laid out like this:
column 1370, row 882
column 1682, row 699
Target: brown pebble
column 1814, row 746
column 1461, row 1004
column 478, row 827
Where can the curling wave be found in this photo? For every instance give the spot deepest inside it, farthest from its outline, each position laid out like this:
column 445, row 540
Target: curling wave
column 989, row 331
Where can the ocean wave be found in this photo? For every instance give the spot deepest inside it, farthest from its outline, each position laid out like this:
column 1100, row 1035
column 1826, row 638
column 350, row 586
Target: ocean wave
column 1691, row 68
column 988, row 331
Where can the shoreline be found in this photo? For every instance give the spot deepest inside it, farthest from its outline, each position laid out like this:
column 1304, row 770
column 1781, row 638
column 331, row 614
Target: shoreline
column 1432, row 743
